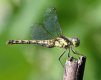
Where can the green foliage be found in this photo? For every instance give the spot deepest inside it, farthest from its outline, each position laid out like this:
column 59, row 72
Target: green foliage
column 29, row 62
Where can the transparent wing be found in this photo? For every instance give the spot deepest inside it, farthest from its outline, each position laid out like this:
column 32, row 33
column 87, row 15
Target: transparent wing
column 51, row 23
column 39, row 33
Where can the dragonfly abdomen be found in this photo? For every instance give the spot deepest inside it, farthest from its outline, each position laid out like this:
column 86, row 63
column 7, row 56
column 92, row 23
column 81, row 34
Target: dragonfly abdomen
column 46, row 43
column 19, row 42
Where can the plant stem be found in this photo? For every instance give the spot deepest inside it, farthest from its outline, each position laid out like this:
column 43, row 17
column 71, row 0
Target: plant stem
column 74, row 70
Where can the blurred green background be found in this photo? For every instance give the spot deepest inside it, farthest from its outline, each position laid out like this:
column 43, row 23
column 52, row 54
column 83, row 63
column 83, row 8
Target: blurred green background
column 81, row 18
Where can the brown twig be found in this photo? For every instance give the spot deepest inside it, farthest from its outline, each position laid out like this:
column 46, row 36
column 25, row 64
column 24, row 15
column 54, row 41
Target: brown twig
column 74, row 69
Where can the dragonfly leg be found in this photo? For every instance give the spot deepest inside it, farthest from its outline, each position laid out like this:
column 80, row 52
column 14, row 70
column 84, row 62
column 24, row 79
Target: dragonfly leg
column 61, row 57
column 70, row 57
column 69, row 53
column 75, row 52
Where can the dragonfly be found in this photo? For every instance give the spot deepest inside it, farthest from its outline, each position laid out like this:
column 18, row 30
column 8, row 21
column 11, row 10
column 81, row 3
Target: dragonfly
column 49, row 34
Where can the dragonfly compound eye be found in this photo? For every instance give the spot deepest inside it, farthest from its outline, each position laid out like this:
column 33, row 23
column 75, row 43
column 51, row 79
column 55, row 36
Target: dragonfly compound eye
column 76, row 42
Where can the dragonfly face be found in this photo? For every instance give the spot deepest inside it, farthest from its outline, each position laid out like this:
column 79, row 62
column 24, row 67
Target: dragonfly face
column 76, row 42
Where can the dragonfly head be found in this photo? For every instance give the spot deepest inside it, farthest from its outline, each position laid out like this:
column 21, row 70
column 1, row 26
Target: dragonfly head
column 76, row 42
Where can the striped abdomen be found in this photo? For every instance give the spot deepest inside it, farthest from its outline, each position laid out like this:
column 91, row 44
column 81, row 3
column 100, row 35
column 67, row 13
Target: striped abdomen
column 46, row 43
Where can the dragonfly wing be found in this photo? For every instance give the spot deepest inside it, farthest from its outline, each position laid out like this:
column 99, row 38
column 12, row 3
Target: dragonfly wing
column 39, row 33
column 51, row 23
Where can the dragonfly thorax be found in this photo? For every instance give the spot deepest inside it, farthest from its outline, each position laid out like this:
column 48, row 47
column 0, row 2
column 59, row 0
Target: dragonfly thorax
column 62, row 42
